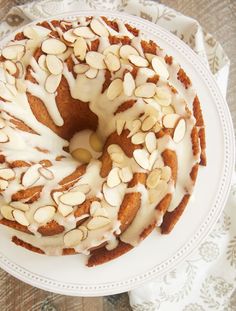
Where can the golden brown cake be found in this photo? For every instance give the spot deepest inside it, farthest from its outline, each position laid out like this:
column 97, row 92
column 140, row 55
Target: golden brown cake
column 101, row 136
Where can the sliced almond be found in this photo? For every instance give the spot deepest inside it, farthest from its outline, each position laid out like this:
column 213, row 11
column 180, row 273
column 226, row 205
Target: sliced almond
column 85, row 188
column 80, row 48
column 126, row 174
column 98, row 223
column 46, row 173
column 9, row 78
column 95, row 142
column 170, row 120
column 64, row 209
column 153, row 178
column 146, row 72
column 3, row 184
column 127, row 50
column 113, row 178
column 135, row 126
column 30, row 33
column 20, row 217
column 149, row 56
column 158, row 163
column 112, row 195
column 73, row 238
column 84, row 32
column 117, row 157
column 82, row 155
column 160, row 67
column 128, row 84
column 52, row 82
column 152, row 159
column 10, row 67
column 31, row 176
column 42, row 62
column 2, row 123
column 19, row 205
column 53, row 46
column 156, row 194
column 146, row 90
column 72, row 198
column 179, row 131
column 101, row 212
column 114, row 89
column 114, row 148
column 120, row 124
column 112, row 62
column 138, row 61
column 4, row 92
column 98, row 28
column 6, row 212
column 91, row 73
column 168, row 109
column 44, row 214
column 7, row 173
column 162, row 97
column 141, row 156
column 84, row 230
column 114, row 49
column 3, row 137
column 69, row 36
column 166, row 173
column 95, row 205
column 12, row 89
column 54, row 64
column 21, row 86
column 81, row 68
column 138, row 138
column 15, row 51
column 148, row 123
column 20, row 69
column 157, row 127
column 151, row 142
column 95, row 60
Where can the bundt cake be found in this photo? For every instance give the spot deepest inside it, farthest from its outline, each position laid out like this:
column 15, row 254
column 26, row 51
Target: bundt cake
column 101, row 137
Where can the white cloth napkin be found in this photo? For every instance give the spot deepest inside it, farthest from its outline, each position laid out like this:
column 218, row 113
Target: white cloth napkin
column 207, row 280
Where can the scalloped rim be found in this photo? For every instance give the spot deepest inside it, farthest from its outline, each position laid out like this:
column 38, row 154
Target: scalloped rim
column 75, row 289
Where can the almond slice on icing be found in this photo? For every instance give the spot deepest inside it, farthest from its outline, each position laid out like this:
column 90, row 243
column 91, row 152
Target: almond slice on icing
column 120, row 124
column 101, row 212
column 99, row 28
column 114, row 49
column 52, row 82
column 155, row 195
column 179, row 132
column 112, row 62
column 9, row 78
column 84, row 230
column 53, row 46
column 64, row 209
column 150, row 142
column 85, row 188
column 20, row 217
column 128, row 84
column 12, row 89
column 30, row 33
column 146, row 90
column 127, row 50
column 158, row 163
column 152, row 159
column 4, row 92
column 166, row 173
column 160, row 67
column 3, row 137
column 84, row 32
column 163, row 97
column 56, row 195
column 126, row 174
column 21, row 69
column 7, row 173
column 98, row 223
column 117, row 157
column 46, row 173
column 167, row 110
column 114, row 148
column 3, row 184
column 42, row 62
column 138, row 61
column 153, row 178
column 69, row 36
column 10, row 67
column 170, row 120
column 141, row 156
column 95, row 60
column 94, row 206
column 44, row 214
column 54, row 64
column 20, row 85
column 135, row 126
column 113, row 178
column 91, row 73
column 2, row 123
column 138, row 138
column 6, row 211
column 115, row 89
column 149, row 56
column 31, row 176
column 148, row 123
column 19, row 205
column 95, row 142
column 73, row 237
column 72, row 198
column 80, row 48
column 112, row 195
column 82, row 155
column 15, row 51
column 81, row 68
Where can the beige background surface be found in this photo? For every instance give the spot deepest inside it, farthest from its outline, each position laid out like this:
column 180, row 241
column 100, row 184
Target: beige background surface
column 217, row 17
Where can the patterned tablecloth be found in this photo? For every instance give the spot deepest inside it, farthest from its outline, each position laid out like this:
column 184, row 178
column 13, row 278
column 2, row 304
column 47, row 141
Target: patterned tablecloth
column 219, row 18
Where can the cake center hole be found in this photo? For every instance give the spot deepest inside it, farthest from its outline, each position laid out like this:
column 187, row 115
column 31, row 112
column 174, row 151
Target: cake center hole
column 85, row 146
